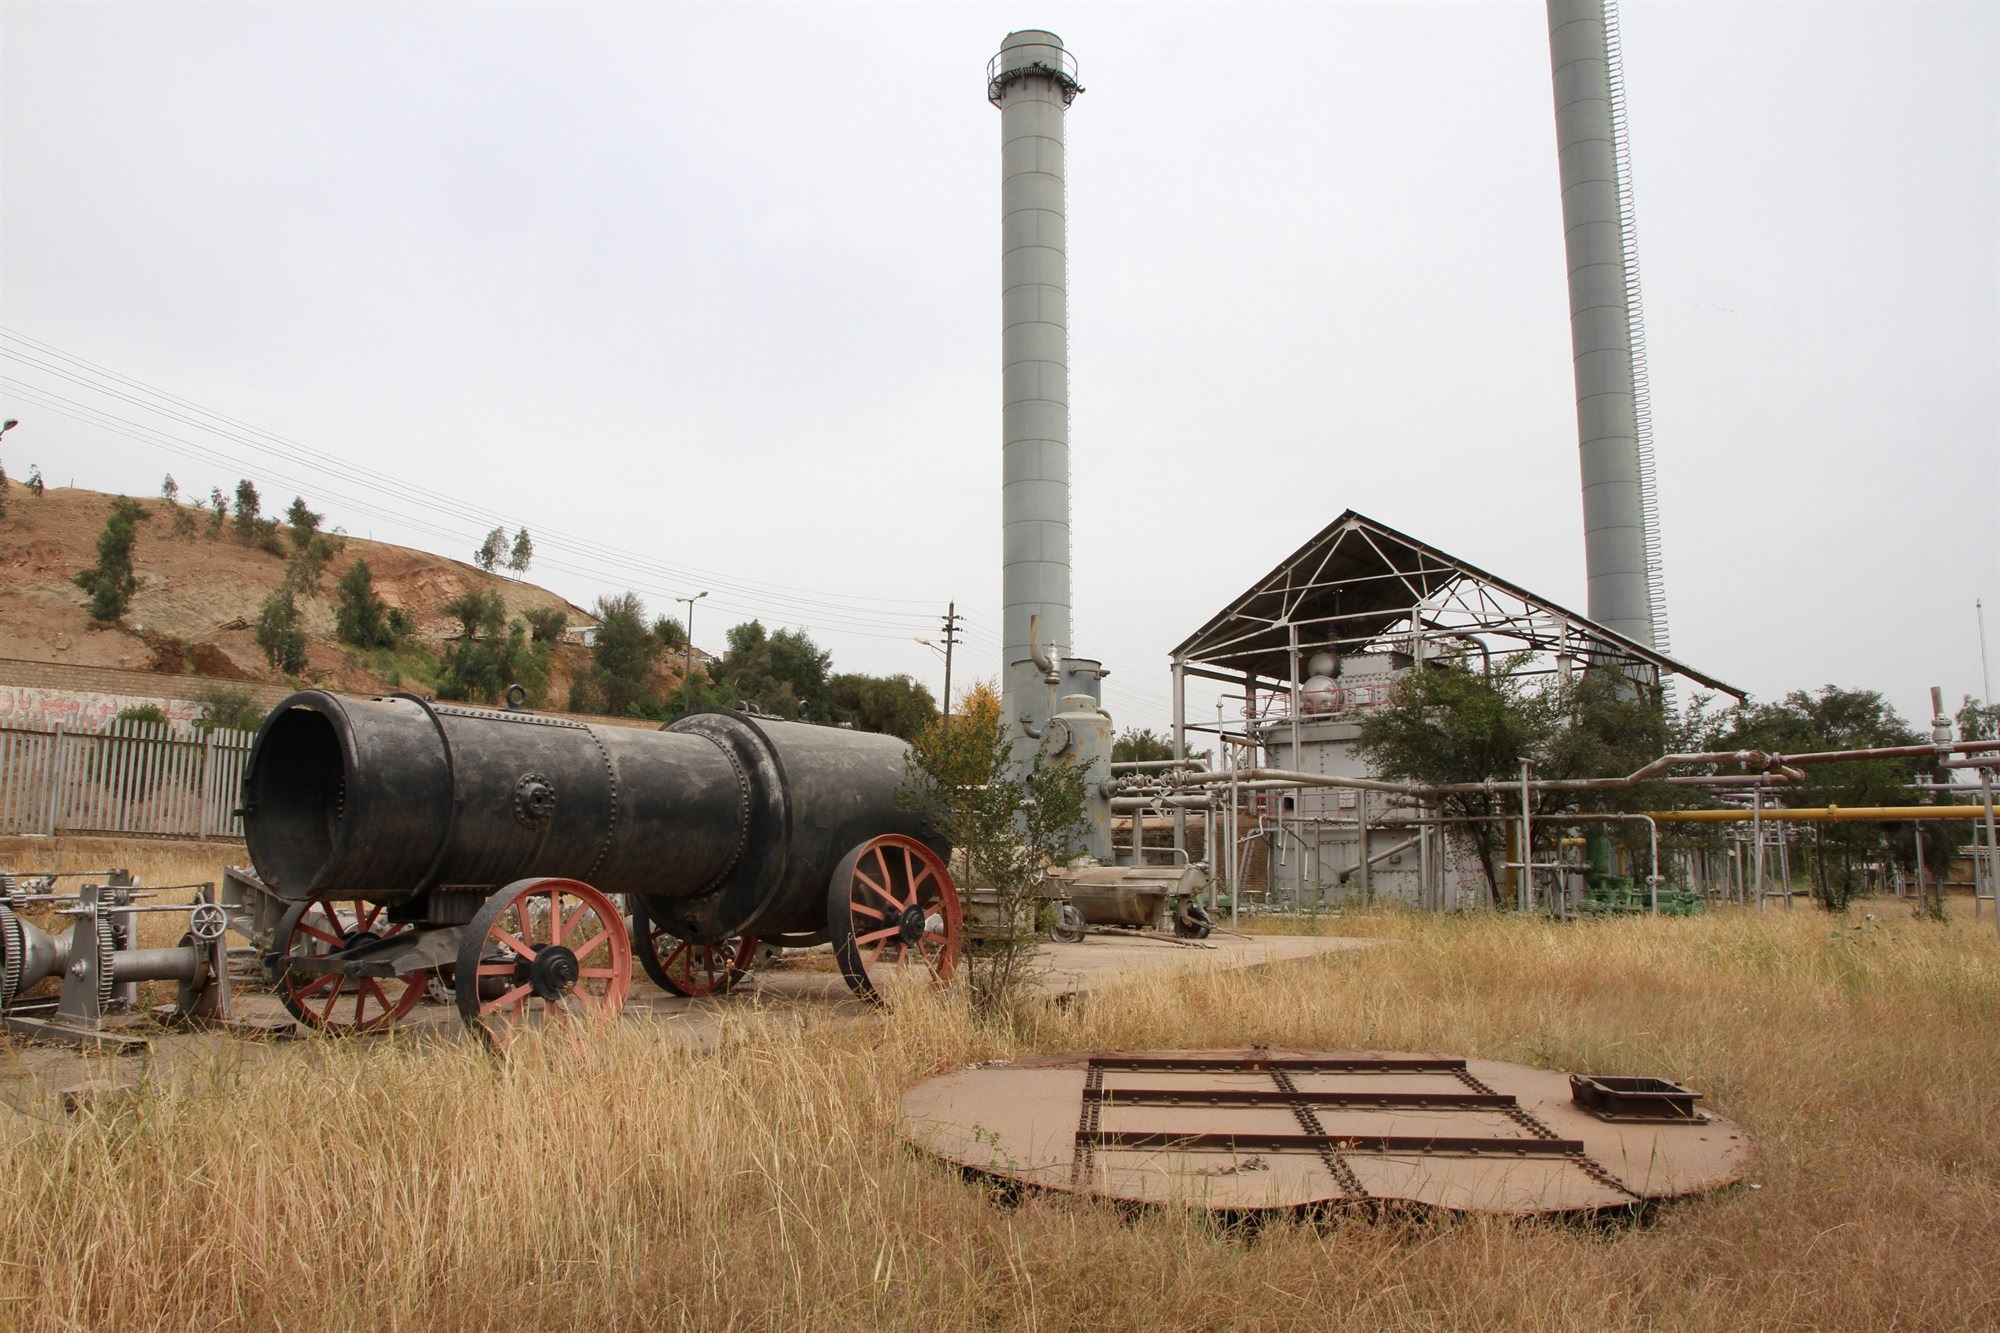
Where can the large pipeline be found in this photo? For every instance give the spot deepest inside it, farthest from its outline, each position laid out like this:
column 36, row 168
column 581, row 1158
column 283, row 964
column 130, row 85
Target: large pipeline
column 1784, row 767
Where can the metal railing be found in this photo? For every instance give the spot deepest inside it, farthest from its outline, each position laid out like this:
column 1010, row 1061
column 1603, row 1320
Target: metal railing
column 1063, row 72
column 152, row 779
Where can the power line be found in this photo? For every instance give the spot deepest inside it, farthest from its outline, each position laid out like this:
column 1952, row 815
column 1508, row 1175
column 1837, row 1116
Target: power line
column 318, row 460
column 754, row 603
column 834, row 613
column 200, row 453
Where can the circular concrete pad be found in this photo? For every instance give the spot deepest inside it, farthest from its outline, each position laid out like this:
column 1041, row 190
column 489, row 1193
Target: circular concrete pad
column 1256, row 1129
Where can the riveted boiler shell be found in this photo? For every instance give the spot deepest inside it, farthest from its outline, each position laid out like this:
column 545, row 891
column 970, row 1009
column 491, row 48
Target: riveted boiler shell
column 816, row 793
column 390, row 798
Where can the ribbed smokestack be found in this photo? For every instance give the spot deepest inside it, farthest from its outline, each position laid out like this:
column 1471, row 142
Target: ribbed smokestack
column 1032, row 81
column 1620, row 532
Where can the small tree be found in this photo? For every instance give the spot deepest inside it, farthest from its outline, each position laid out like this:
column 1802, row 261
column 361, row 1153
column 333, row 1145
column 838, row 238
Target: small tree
column 784, row 674
column 1449, row 725
column 110, row 581
column 3, row 490
column 249, row 512
column 892, row 705
column 302, row 524
column 119, row 761
column 477, row 612
column 34, row 482
column 1832, row 718
column 1977, row 721
column 170, row 490
column 279, row 634
column 546, row 624
column 669, row 634
column 490, row 654
column 360, row 617
column 620, row 680
column 226, row 709
column 523, row 553
column 1135, row 746
column 491, row 551
column 1008, row 831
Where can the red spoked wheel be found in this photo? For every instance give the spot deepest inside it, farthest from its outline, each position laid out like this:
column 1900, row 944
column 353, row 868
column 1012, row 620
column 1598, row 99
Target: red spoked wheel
column 331, row 1002
column 894, row 915
column 683, row 967
column 539, row 951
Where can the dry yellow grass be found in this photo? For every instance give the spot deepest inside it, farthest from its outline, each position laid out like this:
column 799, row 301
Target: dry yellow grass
column 151, row 861
column 419, row 1184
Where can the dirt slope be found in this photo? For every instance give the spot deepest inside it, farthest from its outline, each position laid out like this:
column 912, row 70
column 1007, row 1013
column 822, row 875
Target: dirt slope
column 198, row 596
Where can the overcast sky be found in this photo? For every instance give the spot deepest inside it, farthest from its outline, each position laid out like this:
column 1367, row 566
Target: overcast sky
column 707, row 297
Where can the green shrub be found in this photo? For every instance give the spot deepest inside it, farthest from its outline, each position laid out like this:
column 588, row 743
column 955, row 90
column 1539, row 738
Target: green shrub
column 224, row 708
column 110, row 582
column 279, row 634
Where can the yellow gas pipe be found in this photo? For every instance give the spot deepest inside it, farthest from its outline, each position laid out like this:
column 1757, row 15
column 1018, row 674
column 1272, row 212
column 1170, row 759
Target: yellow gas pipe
column 1829, row 814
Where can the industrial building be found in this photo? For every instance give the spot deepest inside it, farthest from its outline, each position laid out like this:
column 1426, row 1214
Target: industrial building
column 1319, row 642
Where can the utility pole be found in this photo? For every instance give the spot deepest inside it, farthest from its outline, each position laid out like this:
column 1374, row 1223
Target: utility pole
column 687, row 657
column 1985, row 679
column 950, row 640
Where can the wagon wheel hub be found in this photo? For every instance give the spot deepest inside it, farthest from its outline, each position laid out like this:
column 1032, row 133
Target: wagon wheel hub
column 540, row 950
column 332, row 1001
column 893, row 917
column 553, row 971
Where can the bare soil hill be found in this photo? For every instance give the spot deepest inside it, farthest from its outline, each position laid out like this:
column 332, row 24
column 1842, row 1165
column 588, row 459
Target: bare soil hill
column 198, row 598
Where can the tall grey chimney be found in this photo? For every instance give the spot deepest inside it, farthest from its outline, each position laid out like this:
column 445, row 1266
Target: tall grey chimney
column 1607, row 338
column 1033, row 81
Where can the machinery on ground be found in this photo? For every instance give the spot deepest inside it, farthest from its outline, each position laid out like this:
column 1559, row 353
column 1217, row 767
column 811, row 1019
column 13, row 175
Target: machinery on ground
column 423, row 845
column 98, row 959
column 1596, row 888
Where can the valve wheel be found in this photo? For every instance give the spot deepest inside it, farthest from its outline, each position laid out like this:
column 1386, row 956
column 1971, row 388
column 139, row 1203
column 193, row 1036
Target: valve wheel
column 894, row 916
column 683, row 967
column 331, row 1002
column 540, row 951
column 208, row 922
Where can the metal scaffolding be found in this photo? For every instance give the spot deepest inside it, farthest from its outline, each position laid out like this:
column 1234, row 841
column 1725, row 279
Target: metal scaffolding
column 1360, row 588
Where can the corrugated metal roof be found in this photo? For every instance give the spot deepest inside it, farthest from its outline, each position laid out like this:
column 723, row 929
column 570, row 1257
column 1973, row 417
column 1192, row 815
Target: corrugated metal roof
column 1357, row 580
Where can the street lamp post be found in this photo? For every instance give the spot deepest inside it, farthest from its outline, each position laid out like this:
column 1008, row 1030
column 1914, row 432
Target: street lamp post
column 687, row 659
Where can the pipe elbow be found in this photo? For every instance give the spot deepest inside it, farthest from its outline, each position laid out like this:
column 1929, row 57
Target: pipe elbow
column 1039, row 655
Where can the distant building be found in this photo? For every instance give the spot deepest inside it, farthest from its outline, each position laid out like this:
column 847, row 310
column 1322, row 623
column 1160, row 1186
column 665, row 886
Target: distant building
column 1320, row 642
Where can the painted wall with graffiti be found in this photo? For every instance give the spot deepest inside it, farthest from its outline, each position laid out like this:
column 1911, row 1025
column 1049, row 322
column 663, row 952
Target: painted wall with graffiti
column 81, row 710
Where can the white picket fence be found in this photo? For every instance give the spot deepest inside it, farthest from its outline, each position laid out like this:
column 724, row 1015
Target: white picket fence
column 155, row 779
